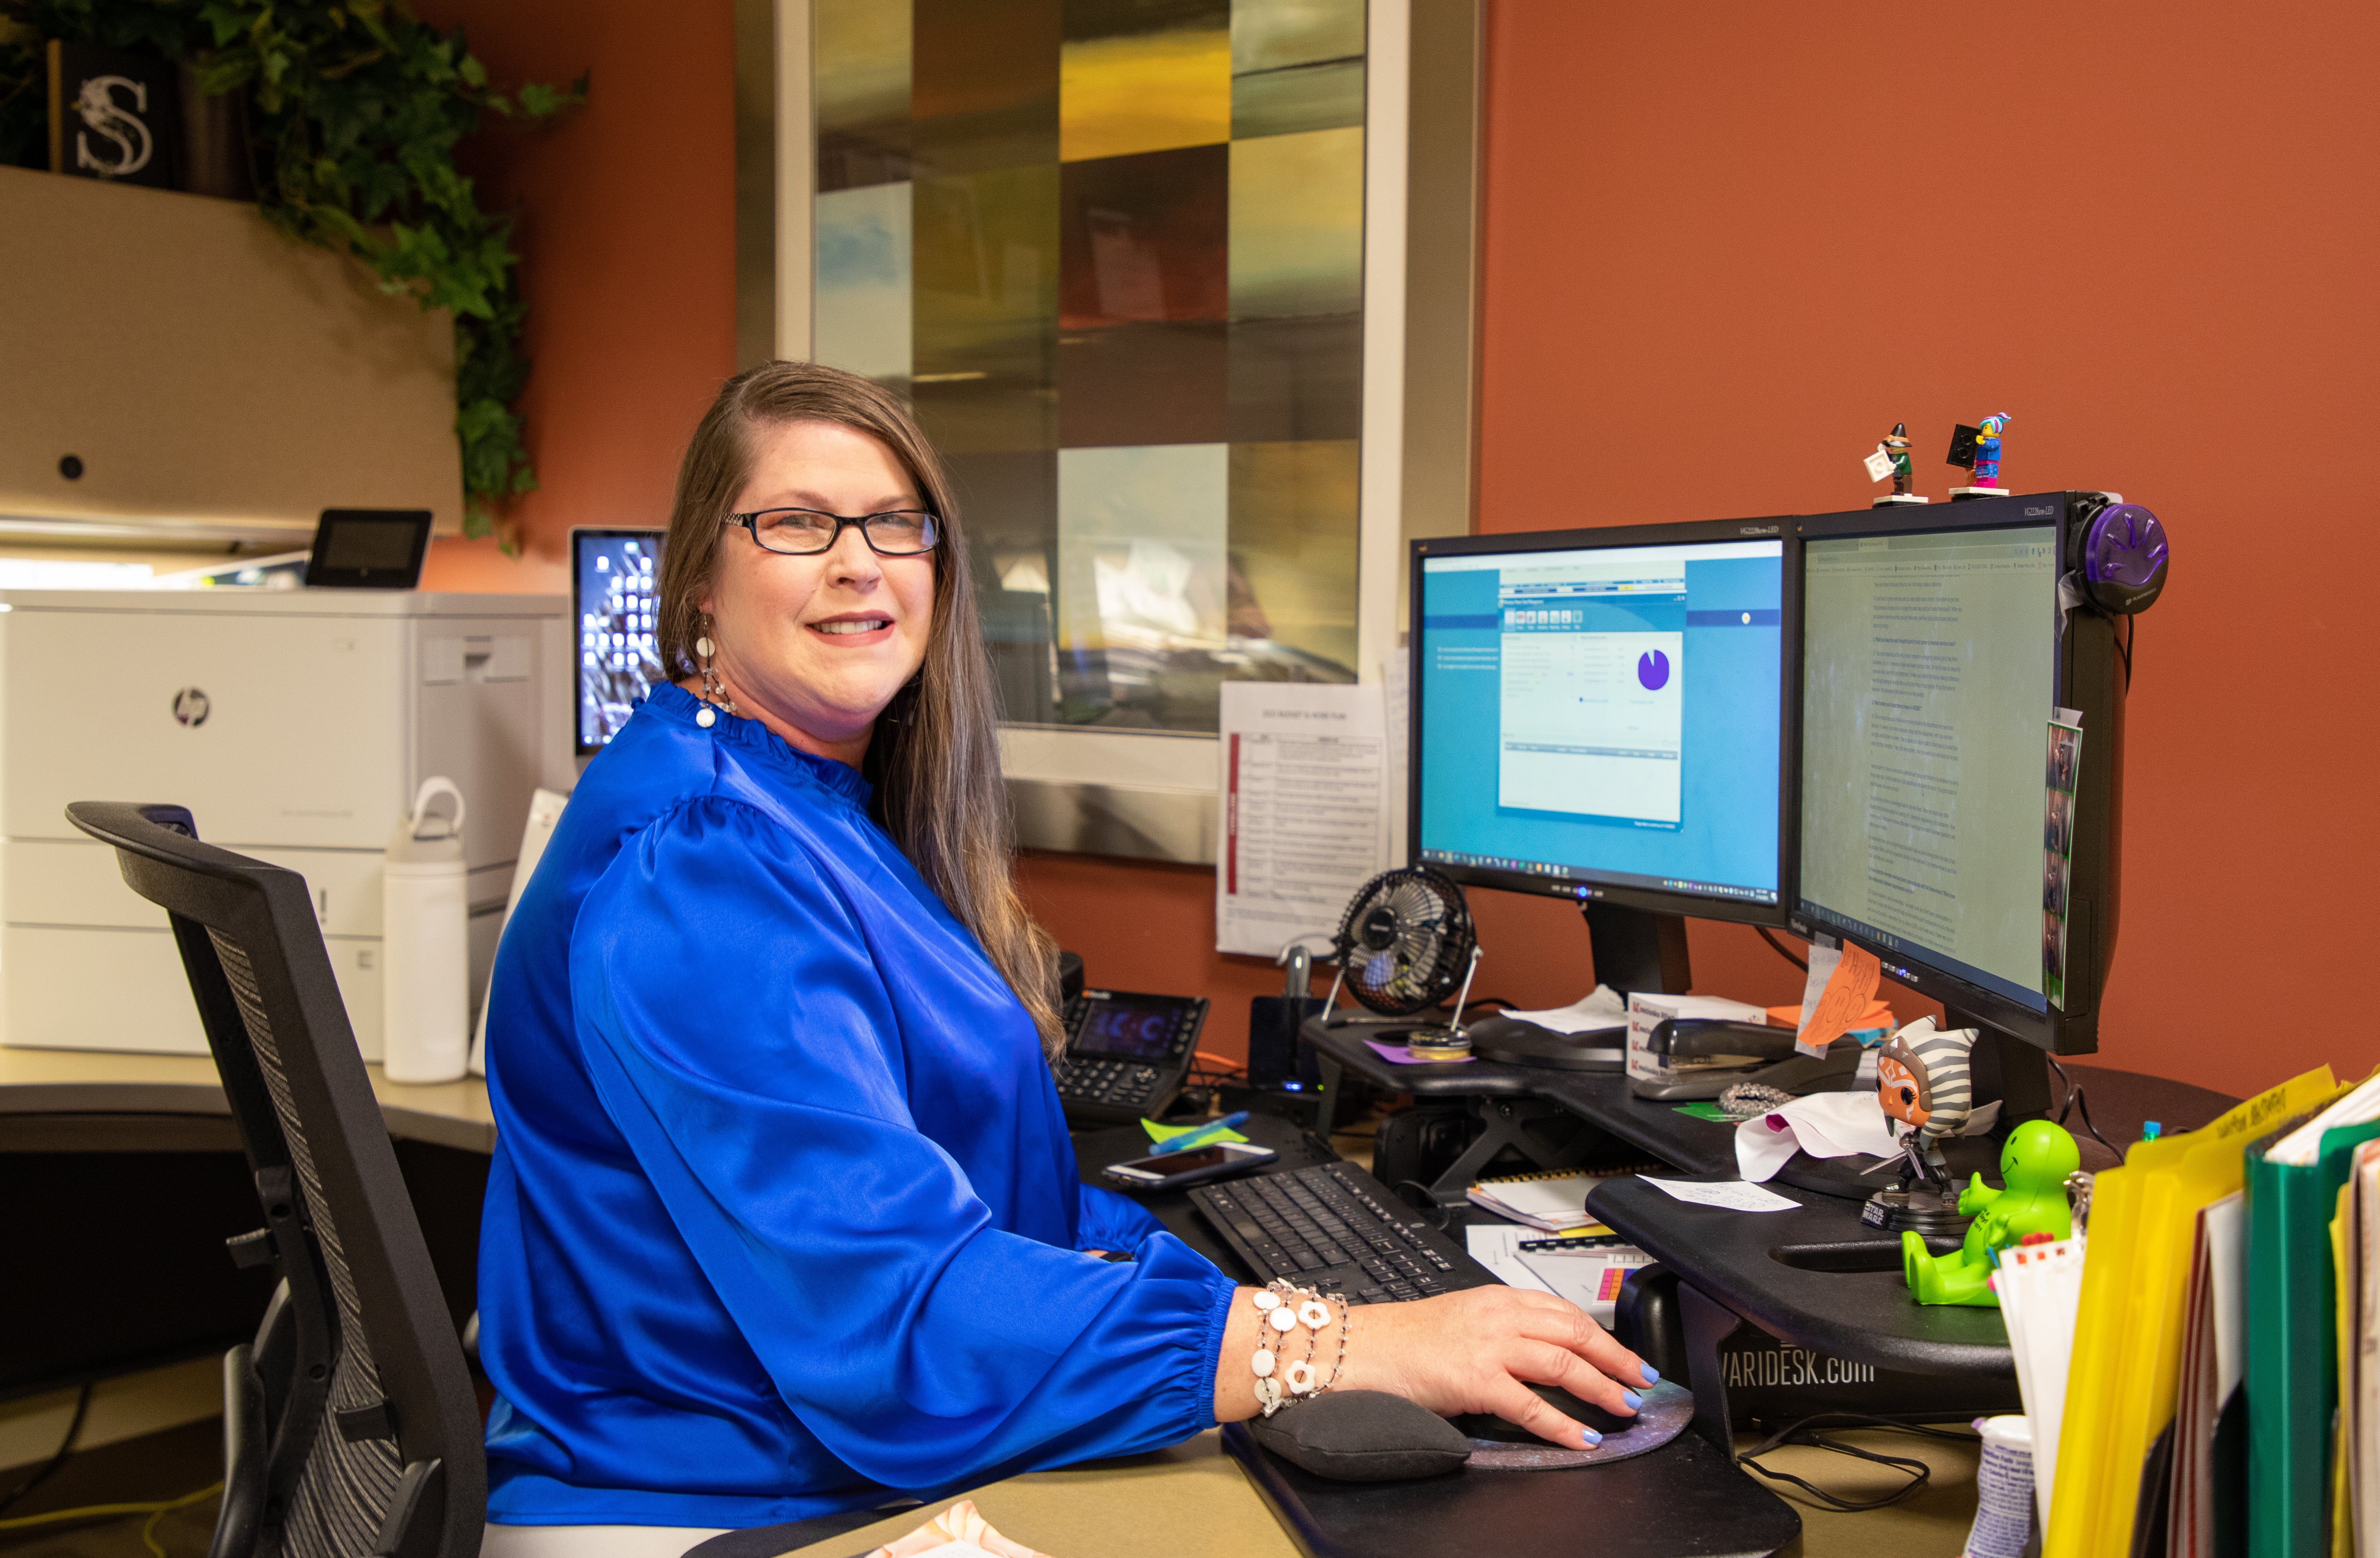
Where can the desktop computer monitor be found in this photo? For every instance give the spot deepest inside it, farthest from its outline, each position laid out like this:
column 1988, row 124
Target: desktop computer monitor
column 1605, row 716
column 613, row 576
column 1933, row 650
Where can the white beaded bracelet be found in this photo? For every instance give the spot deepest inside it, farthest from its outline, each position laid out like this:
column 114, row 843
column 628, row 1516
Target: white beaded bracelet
column 1285, row 1307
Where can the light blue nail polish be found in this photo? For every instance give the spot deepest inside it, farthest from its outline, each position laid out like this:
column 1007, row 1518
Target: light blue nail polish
column 1633, row 1399
column 1592, row 1438
column 1652, row 1375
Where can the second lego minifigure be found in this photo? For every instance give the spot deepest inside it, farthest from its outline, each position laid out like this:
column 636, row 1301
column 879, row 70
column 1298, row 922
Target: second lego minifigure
column 1978, row 448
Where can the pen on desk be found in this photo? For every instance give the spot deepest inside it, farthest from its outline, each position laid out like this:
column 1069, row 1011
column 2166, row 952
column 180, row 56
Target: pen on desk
column 1203, row 1136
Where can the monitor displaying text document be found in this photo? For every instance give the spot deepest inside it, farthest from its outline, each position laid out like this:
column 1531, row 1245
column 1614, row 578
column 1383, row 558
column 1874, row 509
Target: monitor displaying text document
column 1929, row 666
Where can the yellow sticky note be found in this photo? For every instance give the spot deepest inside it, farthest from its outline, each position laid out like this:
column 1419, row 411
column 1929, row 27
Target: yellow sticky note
column 1160, row 1134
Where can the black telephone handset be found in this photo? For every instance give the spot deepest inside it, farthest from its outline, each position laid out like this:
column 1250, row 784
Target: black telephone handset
column 1126, row 1054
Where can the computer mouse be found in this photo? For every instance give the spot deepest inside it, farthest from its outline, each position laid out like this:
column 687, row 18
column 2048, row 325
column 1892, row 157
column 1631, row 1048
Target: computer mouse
column 1486, row 1425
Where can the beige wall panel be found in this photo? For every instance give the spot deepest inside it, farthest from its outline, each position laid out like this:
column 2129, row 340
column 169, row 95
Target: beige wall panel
column 216, row 379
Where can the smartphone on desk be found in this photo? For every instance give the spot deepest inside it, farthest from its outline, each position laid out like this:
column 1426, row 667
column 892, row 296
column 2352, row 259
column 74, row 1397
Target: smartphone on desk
column 1169, row 1171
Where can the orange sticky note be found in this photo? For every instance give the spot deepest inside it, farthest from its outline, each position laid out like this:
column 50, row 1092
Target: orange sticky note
column 1849, row 993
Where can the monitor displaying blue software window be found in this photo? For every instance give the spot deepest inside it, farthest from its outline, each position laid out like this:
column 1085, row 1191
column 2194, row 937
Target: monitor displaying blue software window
column 1605, row 710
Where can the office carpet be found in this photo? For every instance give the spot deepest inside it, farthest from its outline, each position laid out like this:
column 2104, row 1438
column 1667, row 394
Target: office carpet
column 154, row 1467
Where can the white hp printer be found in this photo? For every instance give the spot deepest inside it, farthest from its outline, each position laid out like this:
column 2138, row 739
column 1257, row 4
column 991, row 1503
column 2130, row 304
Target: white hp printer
column 295, row 725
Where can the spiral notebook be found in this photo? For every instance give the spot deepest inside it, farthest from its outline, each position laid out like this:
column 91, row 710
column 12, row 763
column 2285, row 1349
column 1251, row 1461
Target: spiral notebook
column 1554, row 1200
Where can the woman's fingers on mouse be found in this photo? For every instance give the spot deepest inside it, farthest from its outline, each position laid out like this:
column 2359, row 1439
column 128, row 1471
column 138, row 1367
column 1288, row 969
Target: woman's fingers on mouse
column 1523, row 1408
column 1566, row 1325
column 1546, row 1364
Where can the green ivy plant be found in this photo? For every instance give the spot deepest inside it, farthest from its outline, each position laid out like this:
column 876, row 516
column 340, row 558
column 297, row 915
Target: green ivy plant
column 355, row 110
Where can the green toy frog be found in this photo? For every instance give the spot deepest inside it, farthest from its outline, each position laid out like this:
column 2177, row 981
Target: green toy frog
column 2034, row 1165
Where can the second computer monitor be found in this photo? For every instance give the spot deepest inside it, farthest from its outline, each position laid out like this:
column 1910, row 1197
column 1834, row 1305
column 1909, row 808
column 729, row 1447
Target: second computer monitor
column 1604, row 714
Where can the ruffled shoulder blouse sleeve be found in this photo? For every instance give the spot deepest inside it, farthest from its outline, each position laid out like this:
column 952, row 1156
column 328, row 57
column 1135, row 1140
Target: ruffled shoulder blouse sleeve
column 738, row 1033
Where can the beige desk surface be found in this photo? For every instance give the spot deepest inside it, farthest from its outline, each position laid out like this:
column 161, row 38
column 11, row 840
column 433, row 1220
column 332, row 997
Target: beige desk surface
column 1192, row 1502
column 71, row 1082
column 1188, row 1501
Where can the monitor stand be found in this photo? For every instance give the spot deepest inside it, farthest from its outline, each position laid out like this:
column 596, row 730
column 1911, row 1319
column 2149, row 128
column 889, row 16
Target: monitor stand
column 1637, row 950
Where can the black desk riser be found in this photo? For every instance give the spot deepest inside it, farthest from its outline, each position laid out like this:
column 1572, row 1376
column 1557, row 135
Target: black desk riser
column 1814, row 1278
column 1685, row 1498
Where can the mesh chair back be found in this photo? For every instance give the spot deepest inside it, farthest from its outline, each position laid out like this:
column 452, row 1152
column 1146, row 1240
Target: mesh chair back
column 370, row 1430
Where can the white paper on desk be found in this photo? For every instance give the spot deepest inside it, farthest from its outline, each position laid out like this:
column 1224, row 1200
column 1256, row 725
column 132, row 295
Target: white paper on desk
column 1583, row 1275
column 1824, row 1125
column 1497, row 1246
column 1733, row 1195
column 1603, row 1009
column 1301, row 795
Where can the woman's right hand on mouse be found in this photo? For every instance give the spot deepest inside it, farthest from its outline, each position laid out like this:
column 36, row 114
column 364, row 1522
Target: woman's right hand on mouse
column 1474, row 1351
column 1479, row 1351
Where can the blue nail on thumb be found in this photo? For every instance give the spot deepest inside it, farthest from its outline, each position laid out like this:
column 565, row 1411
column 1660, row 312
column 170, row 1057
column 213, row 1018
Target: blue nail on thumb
column 1592, row 1438
column 1652, row 1375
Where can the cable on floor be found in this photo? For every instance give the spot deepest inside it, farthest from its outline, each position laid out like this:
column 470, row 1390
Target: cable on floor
column 156, row 1509
column 66, row 1448
column 1804, row 1431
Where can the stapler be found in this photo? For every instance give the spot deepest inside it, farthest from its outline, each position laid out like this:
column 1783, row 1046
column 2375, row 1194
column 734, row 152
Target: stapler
column 1714, row 1055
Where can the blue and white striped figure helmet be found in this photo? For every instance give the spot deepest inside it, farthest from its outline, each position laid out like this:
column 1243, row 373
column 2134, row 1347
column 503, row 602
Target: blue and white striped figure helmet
column 1994, row 425
column 1923, row 1080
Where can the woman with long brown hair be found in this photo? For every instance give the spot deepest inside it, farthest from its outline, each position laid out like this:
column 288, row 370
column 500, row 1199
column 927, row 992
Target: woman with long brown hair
column 784, row 1219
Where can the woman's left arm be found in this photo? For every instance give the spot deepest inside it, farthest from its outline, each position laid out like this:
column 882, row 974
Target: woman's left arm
column 1105, row 1220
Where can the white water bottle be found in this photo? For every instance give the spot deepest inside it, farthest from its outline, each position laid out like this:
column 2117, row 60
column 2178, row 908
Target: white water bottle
column 425, row 982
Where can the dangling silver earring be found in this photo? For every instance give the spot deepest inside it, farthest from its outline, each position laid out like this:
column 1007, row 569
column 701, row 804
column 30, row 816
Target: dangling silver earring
column 714, row 697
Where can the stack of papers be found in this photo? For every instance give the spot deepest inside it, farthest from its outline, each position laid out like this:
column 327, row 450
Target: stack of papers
column 1555, row 1201
column 1588, row 1276
column 2040, row 1288
column 1605, row 1009
column 2207, row 1420
column 2359, row 1379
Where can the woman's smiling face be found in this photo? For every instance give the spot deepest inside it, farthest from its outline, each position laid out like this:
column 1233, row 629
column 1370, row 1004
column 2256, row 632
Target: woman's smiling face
column 815, row 646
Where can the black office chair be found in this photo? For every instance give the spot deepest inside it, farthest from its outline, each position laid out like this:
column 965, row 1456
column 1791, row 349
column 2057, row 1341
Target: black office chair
column 350, row 1426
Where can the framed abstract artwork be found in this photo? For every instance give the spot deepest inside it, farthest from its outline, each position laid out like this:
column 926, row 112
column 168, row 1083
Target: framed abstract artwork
column 1139, row 266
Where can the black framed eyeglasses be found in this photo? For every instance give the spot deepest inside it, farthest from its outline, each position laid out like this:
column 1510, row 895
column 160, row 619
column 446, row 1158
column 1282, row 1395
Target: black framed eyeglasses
column 807, row 532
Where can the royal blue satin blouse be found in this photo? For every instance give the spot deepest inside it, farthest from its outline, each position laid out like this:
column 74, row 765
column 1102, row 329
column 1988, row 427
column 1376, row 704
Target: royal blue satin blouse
column 784, row 1218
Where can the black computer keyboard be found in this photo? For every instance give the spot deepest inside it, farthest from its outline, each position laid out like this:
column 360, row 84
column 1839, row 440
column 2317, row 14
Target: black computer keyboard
column 1335, row 1227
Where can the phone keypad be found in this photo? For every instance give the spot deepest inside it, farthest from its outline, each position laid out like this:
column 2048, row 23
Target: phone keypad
column 1112, row 1087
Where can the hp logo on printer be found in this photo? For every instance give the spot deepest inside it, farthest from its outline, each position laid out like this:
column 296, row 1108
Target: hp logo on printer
column 191, row 708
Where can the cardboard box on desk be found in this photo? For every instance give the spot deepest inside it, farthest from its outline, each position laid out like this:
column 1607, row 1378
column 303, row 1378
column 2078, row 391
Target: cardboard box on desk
column 1646, row 1012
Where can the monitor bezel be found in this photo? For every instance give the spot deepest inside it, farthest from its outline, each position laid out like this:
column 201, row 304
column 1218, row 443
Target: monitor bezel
column 1778, row 528
column 2044, row 1029
column 580, row 533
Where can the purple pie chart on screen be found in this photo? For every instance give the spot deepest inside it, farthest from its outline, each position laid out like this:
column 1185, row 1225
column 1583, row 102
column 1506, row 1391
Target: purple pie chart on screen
column 1652, row 670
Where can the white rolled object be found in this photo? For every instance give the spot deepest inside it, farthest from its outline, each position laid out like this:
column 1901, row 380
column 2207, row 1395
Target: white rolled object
column 426, row 943
column 2003, row 1526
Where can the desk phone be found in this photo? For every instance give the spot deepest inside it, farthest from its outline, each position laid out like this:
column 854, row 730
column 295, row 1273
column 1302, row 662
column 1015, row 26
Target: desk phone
column 1126, row 1053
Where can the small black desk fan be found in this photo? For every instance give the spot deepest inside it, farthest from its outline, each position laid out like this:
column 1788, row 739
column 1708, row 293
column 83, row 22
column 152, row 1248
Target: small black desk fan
column 1403, row 946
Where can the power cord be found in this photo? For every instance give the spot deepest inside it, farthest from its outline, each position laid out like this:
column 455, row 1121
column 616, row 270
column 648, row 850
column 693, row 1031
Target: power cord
column 156, row 1509
column 1782, row 950
column 2077, row 1104
column 1804, row 1432
column 2124, row 648
column 66, row 1448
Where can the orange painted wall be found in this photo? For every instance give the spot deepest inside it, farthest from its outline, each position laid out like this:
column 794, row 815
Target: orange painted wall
column 627, row 232
column 1726, row 245
column 1729, row 245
